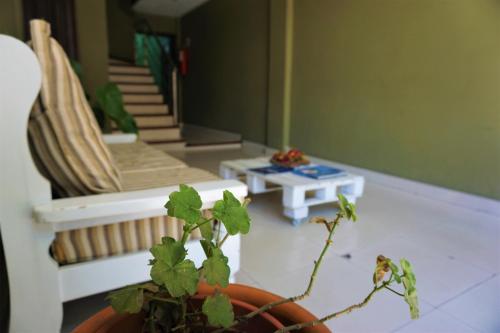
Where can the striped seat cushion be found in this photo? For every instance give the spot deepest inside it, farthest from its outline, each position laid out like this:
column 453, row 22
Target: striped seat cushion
column 129, row 236
column 164, row 177
column 86, row 244
column 64, row 135
column 139, row 157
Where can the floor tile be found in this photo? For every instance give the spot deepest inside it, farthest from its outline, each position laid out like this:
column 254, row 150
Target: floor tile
column 478, row 307
column 436, row 322
column 77, row 311
column 242, row 277
column 439, row 278
column 455, row 253
column 338, row 285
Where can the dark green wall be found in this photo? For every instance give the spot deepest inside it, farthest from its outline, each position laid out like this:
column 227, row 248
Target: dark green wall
column 11, row 18
column 91, row 35
column 121, row 28
column 226, row 87
column 92, row 38
column 410, row 88
column 120, row 31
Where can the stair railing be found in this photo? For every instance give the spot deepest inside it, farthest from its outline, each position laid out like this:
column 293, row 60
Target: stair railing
column 166, row 76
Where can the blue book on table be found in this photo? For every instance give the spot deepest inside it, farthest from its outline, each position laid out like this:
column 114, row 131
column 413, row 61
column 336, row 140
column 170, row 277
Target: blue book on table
column 272, row 169
column 319, row 172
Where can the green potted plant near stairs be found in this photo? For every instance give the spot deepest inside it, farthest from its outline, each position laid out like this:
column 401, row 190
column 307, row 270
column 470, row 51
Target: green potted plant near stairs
column 184, row 298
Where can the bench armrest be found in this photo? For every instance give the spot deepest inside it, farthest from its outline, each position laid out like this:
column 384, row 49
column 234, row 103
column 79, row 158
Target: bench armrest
column 93, row 210
column 119, row 138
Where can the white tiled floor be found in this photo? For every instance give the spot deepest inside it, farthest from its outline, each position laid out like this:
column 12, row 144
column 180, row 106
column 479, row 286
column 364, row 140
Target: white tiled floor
column 455, row 253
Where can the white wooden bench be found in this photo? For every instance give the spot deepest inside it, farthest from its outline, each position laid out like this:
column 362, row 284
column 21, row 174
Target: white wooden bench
column 29, row 217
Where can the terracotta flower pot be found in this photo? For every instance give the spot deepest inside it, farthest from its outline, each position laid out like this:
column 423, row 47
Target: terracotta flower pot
column 243, row 298
column 288, row 314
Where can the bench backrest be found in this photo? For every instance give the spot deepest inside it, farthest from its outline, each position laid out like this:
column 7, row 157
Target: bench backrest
column 21, row 187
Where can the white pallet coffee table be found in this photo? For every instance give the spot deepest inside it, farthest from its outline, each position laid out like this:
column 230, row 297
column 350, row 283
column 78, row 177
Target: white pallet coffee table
column 298, row 192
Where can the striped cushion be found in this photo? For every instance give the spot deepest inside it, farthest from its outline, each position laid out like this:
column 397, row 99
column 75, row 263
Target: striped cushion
column 64, row 134
column 139, row 156
column 156, row 170
column 114, row 239
column 129, row 236
column 165, row 177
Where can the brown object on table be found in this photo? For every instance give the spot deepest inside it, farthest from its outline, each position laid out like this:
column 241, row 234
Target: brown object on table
column 291, row 159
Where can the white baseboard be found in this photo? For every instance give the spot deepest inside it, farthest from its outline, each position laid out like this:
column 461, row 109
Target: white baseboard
column 213, row 134
column 449, row 196
column 214, row 147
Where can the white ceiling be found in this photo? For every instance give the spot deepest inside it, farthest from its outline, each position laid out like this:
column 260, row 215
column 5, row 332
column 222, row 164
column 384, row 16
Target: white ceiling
column 172, row 8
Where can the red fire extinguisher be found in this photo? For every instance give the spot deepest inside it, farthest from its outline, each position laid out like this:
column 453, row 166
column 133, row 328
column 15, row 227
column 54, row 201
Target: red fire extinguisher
column 183, row 61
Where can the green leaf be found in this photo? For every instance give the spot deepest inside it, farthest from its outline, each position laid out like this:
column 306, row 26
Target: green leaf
column 127, row 300
column 150, row 286
column 185, row 204
column 395, row 271
column 206, row 229
column 219, row 310
column 347, row 208
column 216, row 269
column 101, row 118
column 207, row 247
column 232, row 214
column 169, row 251
column 170, row 269
column 179, row 280
column 409, row 282
column 109, row 99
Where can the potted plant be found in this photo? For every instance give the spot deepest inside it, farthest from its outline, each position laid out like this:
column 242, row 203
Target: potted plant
column 184, row 298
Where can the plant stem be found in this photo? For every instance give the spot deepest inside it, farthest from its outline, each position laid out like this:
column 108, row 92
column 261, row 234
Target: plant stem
column 218, row 232
column 151, row 319
column 202, row 223
column 331, row 228
column 306, row 293
column 183, row 311
column 219, row 245
column 394, row 291
column 187, row 232
column 165, row 300
column 185, row 236
column 335, row 314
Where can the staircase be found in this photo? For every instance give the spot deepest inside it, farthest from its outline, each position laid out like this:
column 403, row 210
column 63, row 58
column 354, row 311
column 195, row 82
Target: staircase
column 142, row 99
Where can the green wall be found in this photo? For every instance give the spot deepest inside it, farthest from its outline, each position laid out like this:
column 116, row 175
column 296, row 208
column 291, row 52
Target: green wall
column 121, row 28
column 226, row 87
column 120, row 31
column 11, row 22
column 91, row 35
column 92, row 38
column 409, row 88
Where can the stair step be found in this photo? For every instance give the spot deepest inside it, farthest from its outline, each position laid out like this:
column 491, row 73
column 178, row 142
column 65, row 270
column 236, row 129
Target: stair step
column 160, row 135
column 117, row 69
column 139, row 88
column 169, row 146
column 154, row 121
column 142, row 98
column 147, row 109
column 113, row 61
column 127, row 78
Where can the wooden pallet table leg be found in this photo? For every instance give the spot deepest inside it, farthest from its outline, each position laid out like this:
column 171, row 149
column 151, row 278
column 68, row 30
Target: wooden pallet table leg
column 256, row 184
column 227, row 173
column 294, row 204
column 354, row 190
